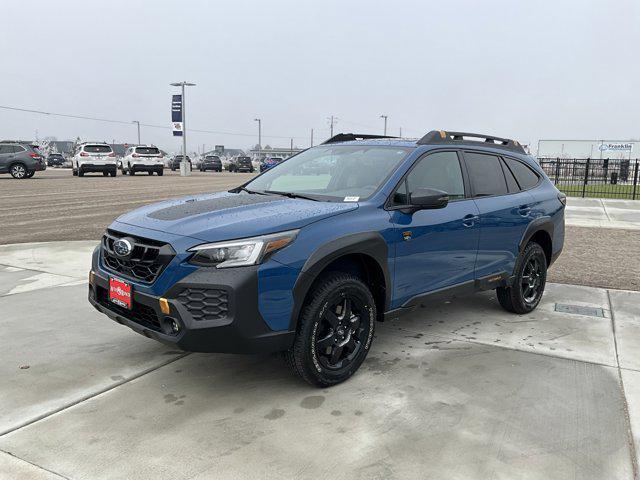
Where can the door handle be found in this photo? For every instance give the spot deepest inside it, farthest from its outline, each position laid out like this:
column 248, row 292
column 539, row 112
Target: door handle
column 469, row 220
column 524, row 210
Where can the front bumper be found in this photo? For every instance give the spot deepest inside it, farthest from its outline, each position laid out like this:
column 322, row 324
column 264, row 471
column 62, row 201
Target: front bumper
column 233, row 323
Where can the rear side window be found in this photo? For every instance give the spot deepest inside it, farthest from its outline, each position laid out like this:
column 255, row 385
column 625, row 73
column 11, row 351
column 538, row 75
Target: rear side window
column 485, row 174
column 97, row 148
column 525, row 176
column 18, row 149
column 6, row 149
column 147, row 150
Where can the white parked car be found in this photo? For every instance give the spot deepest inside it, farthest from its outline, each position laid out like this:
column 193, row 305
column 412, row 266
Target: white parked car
column 94, row 157
column 143, row 158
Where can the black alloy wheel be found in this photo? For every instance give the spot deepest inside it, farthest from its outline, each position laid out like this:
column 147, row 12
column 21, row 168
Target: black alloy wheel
column 529, row 280
column 335, row 330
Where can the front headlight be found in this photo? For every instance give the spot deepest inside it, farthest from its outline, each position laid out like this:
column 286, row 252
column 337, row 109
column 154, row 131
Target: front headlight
column 236, row 253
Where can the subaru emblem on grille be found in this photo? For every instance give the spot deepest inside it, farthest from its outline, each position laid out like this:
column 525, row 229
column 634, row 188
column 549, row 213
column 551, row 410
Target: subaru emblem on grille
column 122, row 247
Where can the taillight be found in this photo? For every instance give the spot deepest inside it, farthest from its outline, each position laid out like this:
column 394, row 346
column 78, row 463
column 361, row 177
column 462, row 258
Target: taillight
column 112, row 154
column 84, row 154
column 34, row 155
column 563, row 198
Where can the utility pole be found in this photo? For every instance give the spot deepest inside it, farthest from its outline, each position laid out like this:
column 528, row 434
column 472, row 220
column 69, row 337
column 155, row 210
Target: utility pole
column 312, row 137
column 385, row 122
column 259, row 120
column 400, row 132
column 137, row 122
column 332, row 121
column 184, row 166
column 291, row 148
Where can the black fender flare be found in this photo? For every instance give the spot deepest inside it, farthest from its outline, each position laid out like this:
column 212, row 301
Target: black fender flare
column 544, row 223
column 371, row 244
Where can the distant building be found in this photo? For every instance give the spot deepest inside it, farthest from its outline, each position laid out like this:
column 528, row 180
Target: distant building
column 612, row 149
column 269, row 151
column 221, row 151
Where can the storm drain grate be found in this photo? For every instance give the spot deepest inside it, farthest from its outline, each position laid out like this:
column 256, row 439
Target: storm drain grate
column 579, row 310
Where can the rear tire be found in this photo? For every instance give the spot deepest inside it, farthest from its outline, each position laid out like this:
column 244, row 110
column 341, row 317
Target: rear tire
column 335, row 330
column 113, row 173
column 80, row 172
column 530, row 278
column 160, row 173
column 105, row 174
column 18, row 171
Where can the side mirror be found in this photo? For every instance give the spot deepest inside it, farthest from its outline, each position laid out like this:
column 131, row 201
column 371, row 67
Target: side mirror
column 428, row 198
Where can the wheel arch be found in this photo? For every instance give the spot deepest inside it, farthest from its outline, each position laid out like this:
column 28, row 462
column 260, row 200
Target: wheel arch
column 540, row 231
column 362, row 254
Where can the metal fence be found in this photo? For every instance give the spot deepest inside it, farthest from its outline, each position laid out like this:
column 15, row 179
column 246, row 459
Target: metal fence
column 594, row 177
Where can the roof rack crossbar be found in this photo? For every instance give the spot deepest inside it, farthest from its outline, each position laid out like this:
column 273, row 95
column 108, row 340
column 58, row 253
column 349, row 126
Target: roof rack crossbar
column 453, row 138
column 349, row 137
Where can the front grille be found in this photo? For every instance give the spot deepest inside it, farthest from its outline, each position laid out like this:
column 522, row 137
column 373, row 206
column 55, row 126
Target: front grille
column 205, row 304
column 146, row 261
column 139, row 313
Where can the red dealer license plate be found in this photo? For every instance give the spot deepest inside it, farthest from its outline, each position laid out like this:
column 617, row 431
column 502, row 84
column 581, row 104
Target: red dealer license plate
column 120, row 292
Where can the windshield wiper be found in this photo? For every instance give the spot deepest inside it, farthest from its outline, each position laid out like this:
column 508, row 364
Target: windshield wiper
column 245, row 189
column 291, row 195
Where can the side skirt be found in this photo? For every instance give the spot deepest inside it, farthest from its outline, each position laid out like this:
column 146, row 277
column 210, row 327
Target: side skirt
column 490, row 282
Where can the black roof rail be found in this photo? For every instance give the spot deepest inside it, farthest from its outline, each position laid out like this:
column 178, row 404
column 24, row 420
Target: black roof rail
column 349, row 137
column 445, row 137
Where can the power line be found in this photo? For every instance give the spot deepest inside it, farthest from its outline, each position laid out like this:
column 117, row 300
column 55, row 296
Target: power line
column 148, row 125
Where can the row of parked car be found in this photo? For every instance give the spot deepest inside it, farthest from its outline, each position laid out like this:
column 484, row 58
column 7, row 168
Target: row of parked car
column 22, row 161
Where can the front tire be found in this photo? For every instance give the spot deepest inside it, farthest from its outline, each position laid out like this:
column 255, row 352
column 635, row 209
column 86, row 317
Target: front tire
column 335, row 330
column 160, row 173
column 530, row 278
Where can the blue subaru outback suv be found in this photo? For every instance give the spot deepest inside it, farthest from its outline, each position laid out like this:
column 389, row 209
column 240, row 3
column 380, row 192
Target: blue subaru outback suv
column 306, row 257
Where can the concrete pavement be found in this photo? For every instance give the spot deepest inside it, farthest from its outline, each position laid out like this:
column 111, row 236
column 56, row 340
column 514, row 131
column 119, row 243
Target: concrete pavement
column 603, row 213
column 455, row 390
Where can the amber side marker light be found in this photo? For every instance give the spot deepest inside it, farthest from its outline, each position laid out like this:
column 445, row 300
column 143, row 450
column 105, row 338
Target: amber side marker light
column 164, row 306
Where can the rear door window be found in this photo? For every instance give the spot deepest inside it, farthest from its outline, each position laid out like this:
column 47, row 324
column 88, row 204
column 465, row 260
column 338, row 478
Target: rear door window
column 485, row 173
column 17, row 149
column 525, row 176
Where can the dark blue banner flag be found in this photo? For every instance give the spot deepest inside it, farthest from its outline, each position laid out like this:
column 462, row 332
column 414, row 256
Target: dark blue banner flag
column 176, row 115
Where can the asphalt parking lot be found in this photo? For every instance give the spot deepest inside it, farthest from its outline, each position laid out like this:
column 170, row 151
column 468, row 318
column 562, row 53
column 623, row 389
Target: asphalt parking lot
column 54, row 205
column 456, row 390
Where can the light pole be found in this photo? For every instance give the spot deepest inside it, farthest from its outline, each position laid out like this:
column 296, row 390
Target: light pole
column 332, row 121
column 259, row 135
column 385, row 122
column 138, row 122
column 183, row 167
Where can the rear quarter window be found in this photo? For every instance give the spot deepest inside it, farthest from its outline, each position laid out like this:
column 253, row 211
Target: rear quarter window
column 524, row 174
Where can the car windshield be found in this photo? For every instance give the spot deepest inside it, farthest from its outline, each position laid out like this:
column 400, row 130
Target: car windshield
column 333, row 172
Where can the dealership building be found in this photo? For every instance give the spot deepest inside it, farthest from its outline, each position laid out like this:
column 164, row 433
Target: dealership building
column 612, row 149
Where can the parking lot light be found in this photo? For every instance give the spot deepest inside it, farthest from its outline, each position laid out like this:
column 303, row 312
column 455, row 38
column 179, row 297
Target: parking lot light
column 184, row 164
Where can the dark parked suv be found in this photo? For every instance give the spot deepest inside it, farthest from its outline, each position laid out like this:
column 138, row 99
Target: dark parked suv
column 211, row 162
column 55, row 160
column 20, row 160
column 307, row 263
column 174, row 163
column 241, row 164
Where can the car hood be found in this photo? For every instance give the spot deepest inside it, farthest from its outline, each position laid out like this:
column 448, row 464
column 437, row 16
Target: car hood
column 225, row 216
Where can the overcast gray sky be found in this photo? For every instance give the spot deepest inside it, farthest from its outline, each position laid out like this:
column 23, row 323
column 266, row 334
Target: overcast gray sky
column 522, row 69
